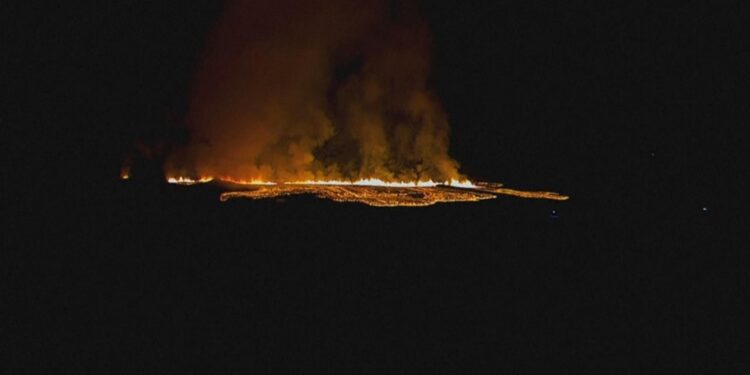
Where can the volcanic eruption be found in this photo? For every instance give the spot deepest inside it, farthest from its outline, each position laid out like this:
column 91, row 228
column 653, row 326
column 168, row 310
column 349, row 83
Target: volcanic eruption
column 323, row 97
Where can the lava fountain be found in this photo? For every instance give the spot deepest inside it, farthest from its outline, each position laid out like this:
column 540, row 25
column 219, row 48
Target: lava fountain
column 322, row 97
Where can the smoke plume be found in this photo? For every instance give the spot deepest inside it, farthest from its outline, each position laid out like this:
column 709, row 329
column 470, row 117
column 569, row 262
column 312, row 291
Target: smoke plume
column 316, row 89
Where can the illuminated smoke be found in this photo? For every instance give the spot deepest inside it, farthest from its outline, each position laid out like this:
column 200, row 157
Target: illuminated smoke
column 316, row 90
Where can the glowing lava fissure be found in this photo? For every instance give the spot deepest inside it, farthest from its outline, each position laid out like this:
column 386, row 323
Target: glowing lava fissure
column 372, row 192
column 361, row 182
column 323, row 97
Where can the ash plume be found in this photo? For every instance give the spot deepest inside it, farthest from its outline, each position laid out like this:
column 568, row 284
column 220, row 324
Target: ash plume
column 316, row 89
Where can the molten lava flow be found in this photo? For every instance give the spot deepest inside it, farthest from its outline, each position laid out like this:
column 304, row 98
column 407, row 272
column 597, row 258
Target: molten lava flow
column 371, row 195
column 373, row 192
column 496, row 188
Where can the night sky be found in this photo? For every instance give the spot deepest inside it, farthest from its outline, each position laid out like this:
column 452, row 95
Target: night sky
column 634, row 110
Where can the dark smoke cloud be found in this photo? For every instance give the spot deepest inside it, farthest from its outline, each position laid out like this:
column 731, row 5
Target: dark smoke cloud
column 330, row 89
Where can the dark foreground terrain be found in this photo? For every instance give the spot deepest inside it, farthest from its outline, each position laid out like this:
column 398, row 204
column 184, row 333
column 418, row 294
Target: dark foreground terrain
column 152, row 278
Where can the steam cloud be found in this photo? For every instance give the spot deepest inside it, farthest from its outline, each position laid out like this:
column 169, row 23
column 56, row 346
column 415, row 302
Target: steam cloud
column 316, row 89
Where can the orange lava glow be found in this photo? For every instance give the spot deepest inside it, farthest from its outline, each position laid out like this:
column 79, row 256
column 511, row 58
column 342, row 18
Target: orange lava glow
column 495, row 188
column 188, row 181
column 362, row 182
column 377, row 196
column 373, row 192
